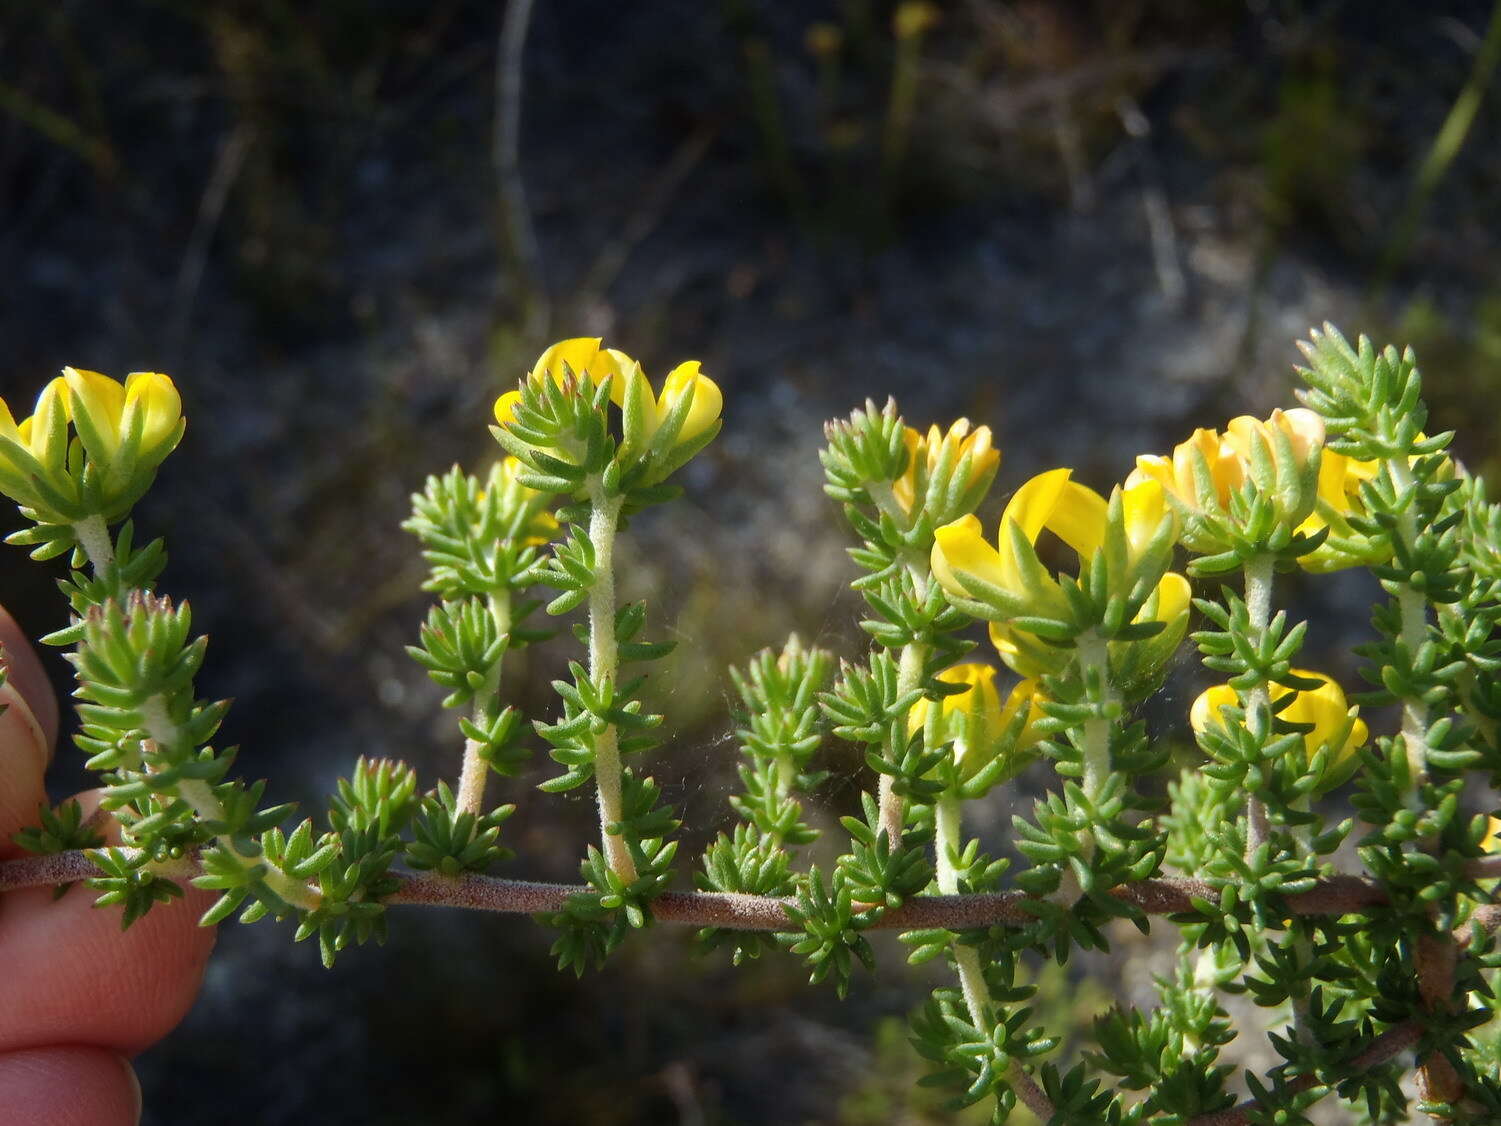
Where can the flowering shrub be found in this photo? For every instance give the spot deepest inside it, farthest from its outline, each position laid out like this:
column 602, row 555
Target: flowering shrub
column 1365, row 968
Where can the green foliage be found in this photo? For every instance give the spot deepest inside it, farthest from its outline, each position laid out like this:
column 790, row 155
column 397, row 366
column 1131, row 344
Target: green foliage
column 1405, row 952
column 59, row 830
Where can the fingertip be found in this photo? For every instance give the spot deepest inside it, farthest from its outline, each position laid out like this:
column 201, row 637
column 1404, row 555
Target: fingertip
column 27, row 680
column 68, row 1085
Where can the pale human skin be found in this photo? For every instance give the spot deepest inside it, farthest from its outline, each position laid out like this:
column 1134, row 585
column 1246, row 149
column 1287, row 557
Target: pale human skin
column 77, row 996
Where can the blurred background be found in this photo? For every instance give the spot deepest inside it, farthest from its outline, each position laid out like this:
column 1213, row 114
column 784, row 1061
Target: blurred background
column 343, row 228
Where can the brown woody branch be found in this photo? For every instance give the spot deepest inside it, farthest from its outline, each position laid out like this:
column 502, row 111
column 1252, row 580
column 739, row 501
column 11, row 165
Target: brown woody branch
column 1335, row 895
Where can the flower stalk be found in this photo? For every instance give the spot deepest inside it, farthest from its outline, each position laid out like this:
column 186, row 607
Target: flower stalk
column 604, row 517
column 475, row 772
column 1258, row 577
column 93, row 536
column 206, row 804
column 1095, row 672
column 948, row 843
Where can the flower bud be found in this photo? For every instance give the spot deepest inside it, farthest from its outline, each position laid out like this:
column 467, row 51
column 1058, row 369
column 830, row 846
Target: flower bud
column 663, row 433
column 947, row 475
column 1334, row 725
column 1278, row 457
column 1131, row 536
column 124, row 431
column 980, row 727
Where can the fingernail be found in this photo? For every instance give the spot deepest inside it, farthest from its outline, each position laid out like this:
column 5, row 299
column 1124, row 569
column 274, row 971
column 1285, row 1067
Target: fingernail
column 15, row 704
column 135, row 1086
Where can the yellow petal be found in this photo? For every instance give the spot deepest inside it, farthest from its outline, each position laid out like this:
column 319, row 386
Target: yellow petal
column 1326, row 709
column 8, row 428
column 1151, row 467
column 1304, row 429
column 1206, row 709
column 47, row 433
column 612, row 361
column 1173, row 597
column 904, row 488
column 707, row 399
column 505, row 407
column 978, row 446
column 101, row 398
column 1079, row 519
column 1031, row 505
column 1074, row 513
column 961, row 547
column 1226, row 469
column 578, row 355
column 1492, row 834
column 1025, row 694
column 1144, row 505
column 156, row 394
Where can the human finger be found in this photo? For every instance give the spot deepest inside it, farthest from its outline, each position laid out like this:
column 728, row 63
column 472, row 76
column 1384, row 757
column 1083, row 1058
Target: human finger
column 69, row 1085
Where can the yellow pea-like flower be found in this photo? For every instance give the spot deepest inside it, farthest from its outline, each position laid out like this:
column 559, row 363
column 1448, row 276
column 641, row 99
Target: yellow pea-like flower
column 1302, row 428
column 40, row 439
column 1073, row 512
column 1012, row 582
column 1281, row 454
column 979, row 723
column 1336, row 724
column 687, row 381
column 579, row 358
column 122, row 424
column 125, row 431
column 689, row 405
column 1340, row 479
column 937, row 455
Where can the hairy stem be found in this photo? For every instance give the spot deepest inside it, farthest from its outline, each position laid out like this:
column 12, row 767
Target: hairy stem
column 206, row 804
column 1259, row 699
column 1331, row 896
column 893, row 805
column 93, row 536
column 947, row 817
column 476, row 771
column 1094, row 668
column 604, row 515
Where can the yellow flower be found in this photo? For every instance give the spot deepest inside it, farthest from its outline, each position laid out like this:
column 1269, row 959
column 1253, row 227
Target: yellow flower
column 936, row 460
column 541, row 526
column 1340, row 479
column 578, row 358
column 1335, row 724
column 687, row 389
column 120, row 424
column 1280, row 454
column 1011, row 582
column 39, row 441
column 125, row 431
column 979, row 724
column 671, row 428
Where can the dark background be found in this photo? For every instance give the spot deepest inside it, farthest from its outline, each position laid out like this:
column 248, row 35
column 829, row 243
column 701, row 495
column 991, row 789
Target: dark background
column 1103, row 224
